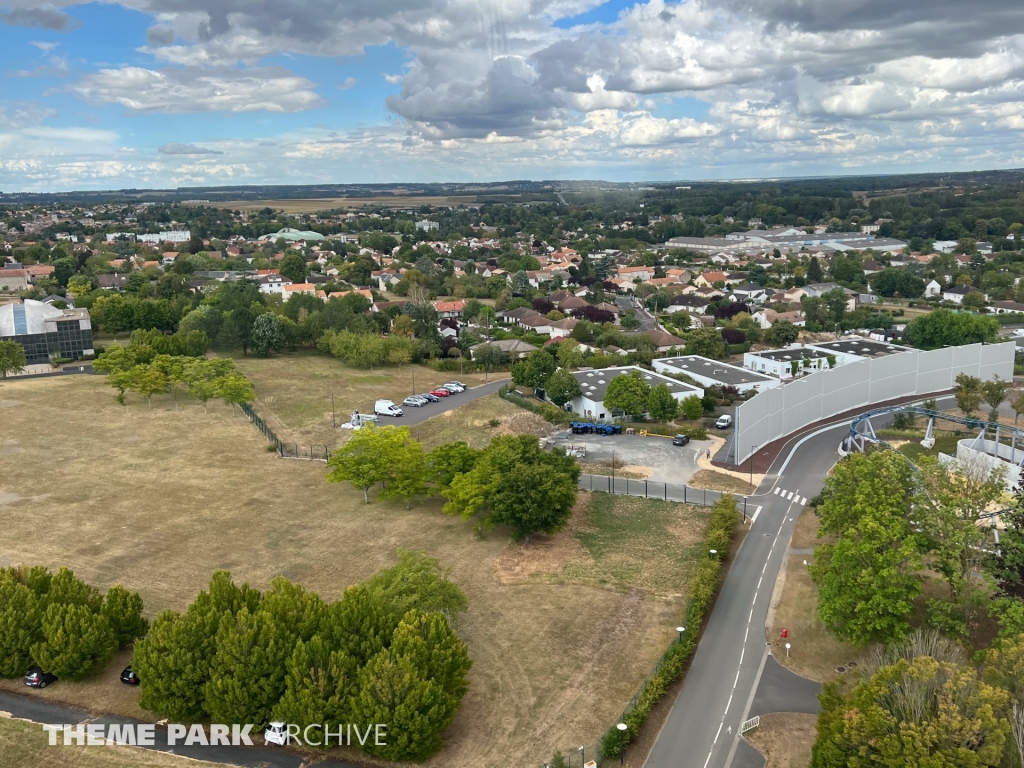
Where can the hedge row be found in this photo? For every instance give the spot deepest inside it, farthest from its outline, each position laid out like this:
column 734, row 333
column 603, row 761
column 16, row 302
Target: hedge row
column 670, row 430
column 546, row 411
column 721, row 526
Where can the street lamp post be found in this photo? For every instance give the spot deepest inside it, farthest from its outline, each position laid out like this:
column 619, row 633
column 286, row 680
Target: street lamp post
column 751, row 464
column 714, row 553
column 583, row 756
column 680, row 630
column 788, row 646
column 622, row 742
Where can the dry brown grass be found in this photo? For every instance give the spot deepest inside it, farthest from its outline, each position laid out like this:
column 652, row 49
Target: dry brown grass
column 785, row 739
column 470, row 423
column 719, row 481
column 158, row 499
column 805, row 532
column 293, row 392
column 24, row 745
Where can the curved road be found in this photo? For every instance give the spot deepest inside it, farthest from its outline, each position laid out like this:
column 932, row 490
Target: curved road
column 723, row 678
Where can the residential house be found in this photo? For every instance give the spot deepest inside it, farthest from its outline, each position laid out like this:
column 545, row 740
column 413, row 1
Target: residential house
column 12, row 280
column 870, row 266
column 1004, row 307
column 560, row 329
column 749, row 293
column 516, row 349
column 36, row 271
column 273, row 283
column 636, row 273
column 571, row 303
column 112, row 281
column 708, row 279
column 933, row 289
column 766, row 318
column 450, row 309
column 664, row 341
column 695, row 305
column 957, row 292
column 290, row 289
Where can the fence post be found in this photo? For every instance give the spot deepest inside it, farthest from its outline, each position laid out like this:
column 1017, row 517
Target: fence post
column 666, row 491
column 645, row 488
column 684, row 494
column 705, row 497
column 609, row 484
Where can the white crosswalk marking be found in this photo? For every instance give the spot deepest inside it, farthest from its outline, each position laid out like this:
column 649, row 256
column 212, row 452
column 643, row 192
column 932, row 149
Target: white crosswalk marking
column 777, row 489
column 803, row 502
column 789, row 496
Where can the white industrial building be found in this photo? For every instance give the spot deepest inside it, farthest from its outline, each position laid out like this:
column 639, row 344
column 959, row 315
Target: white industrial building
column 594, row 385
column 713, row 373
column 170, row 236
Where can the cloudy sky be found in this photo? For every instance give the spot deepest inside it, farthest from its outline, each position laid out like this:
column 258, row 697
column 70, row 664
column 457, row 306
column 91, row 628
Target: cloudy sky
column 162, row 93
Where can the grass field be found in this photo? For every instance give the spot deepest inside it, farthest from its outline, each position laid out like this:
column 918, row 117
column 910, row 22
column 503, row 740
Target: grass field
column 24, row 745
column 158, row 498
column 293, row 392
column 719, row 481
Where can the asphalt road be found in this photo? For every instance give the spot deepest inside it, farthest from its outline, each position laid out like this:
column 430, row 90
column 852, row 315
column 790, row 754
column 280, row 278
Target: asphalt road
column 419, row 415
column 719, row 689
column 647, row 322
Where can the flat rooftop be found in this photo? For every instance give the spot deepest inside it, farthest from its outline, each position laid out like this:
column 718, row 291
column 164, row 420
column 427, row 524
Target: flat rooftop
column 715, row 369
column 594, row 384
column 797, row 353
column 861, row 346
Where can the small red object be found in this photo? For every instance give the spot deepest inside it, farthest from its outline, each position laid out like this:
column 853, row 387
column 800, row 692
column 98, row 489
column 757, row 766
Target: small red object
column 785, row 633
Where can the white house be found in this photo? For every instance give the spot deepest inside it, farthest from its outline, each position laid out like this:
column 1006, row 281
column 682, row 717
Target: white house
column 786, row 363
column 712, row 373
column 933, row 289
column 273, row 284
column 594, row 385
column 956, row 293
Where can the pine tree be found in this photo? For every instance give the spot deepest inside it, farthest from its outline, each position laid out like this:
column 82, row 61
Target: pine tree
column 439, row 655
column 247, row 671
column 76, row 641
column 173, row 663
column 123, row 610
column 296, row 611
column 416, row 711
column 20, row 628
column 318, row 685
column 359, row 624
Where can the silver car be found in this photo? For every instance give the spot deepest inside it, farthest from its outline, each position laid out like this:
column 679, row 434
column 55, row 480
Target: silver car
column 415, row 401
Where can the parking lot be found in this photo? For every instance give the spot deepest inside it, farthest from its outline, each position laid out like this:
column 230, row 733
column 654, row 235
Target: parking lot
column 670, row 463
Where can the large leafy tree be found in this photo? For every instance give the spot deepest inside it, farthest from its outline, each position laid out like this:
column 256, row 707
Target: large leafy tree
column 123, row 611
column 516, row 483
column 293, row 266
column 913, row 714
column 942, row 327
column 706, row 342
column 897, row 282
column 373, row 455
column 628, row 393
column 20, row 627
column 661, row 404
column 535, row 370
column 12, row 358
column 562, row 387
column 968, row 393
column 267, row 334
column 868, row 578
column 448, row 460
column 77, row 641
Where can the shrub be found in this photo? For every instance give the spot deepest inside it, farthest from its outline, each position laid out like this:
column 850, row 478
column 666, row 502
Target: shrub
column 76, row 641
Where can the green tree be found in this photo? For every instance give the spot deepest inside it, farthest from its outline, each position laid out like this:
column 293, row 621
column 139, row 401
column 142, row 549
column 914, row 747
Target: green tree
column 782, row 333
column 627, row 393
column 147, row 381
column 489, row 356
column 868, row 579
column 706, row 342
column 319, row 682
column 1017, row 403
column 915, row 714
column 968, row 393
column 438, row 653
column 897, row 282
column 661, row 404
column 371, row 456
column 692, row 407
column 247, row 670
column 562, row 387
column 293, row 266
column 12, row 358
column 974, row 300
column 941, row 327
column 836, row 300
column 123, row 611
column 994, row 392
column 416, row 582
column 20, row 627
column 535, row 370
column 515, row 483
column 448, row 460
column 410, row 474
column 814, row 273
column 570, row 355
column 77, row 641
column 235, row 390
column 267, row 334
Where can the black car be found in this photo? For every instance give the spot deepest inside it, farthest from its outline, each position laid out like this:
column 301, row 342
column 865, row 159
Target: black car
column 430, row 397
column 680, row 440
column 36, row 678
column 128, row 676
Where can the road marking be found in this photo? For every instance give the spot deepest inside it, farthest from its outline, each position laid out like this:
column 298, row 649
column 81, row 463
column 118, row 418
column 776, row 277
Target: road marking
column 759, row 583
column 757, row 512
column 777, row 489
column 745, row 637
column 789, row 496
column 729, row 704
column 709, row 759
column 719, row 732
column 734, row 685
column 744, row 649
column 751, row 616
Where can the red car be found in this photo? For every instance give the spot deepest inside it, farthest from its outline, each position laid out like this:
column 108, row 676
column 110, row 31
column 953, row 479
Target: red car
column 440, row 392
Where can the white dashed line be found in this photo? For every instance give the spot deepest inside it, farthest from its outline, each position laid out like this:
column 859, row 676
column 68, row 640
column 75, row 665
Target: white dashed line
column 719, row 732
column 759, row 582
column 789, row 496
column 757, row 512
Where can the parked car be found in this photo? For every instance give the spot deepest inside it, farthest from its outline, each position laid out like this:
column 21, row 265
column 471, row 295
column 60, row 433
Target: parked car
column 680, row 440
column 724, row 421
column 276, row 733
column 386, row 408
column 36, row 678
column 415, row 401
column 460, row 384
column 429, row 397
column 452, row 388
column 128, row 676
column 440, row 392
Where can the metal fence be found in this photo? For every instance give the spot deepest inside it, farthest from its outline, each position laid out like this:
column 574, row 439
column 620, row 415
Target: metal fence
column 648, row 489
column 286, row 450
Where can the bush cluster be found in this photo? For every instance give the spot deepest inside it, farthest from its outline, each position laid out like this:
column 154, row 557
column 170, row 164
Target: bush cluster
column 385, row 653
column 61, row 624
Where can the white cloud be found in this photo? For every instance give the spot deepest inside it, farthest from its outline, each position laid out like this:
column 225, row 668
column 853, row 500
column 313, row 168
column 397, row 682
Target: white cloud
column 347, row 83
column 193, row 89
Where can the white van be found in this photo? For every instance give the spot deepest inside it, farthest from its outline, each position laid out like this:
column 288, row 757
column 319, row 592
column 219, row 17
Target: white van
column 724, row 421
column 386, row 408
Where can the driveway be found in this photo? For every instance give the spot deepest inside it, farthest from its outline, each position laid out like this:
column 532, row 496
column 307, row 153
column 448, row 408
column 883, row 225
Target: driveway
column 671, row 464
column 419, row 415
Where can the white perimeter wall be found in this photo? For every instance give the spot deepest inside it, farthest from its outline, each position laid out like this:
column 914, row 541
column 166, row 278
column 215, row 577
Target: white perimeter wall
column 783, row 410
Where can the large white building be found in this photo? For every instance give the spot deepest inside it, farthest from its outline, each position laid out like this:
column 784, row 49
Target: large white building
column 170, row 236
column 594, row 385
column 713, row 373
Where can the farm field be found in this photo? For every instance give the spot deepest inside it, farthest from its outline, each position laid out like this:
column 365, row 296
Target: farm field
column 561, row 630
column 316, row 204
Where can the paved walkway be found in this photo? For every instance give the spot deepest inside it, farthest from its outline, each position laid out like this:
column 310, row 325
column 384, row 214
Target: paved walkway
column 783, row 691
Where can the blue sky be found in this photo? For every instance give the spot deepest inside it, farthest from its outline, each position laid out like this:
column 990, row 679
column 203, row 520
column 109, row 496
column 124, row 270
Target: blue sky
column 160, row 93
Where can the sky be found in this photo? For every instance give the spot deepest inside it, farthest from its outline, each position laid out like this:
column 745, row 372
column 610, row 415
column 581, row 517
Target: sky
column 168, row 93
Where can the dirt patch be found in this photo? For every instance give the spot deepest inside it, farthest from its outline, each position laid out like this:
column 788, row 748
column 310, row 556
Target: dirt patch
column 9, row 498
column 719, row 481
column 805, row 532
column 545, row 554
column 785, row 739
column 9, row 403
